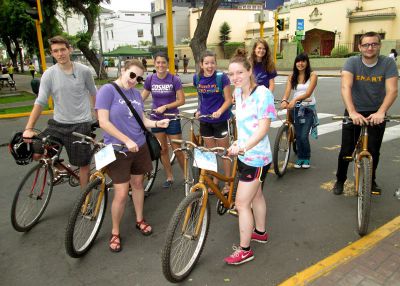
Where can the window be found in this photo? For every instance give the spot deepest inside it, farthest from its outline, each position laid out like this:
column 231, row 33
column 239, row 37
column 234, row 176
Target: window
column 112, row 34
column 140, row 33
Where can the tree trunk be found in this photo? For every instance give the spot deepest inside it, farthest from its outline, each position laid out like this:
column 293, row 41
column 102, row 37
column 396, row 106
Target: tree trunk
column 21, row 59
column 198, row 44
column 83, row 43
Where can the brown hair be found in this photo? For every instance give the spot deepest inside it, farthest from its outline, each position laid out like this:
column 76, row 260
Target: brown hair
column 240, row 57
column 205, row 54
column 369, row 34
column 267, row 61
column 133, row 62
column 59, row 40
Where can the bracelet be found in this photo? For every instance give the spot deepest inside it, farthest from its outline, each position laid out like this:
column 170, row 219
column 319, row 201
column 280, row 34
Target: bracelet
column 284, row 100
column 155, row 124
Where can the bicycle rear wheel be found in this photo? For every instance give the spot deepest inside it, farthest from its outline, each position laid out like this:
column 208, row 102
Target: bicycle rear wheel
column 85, row 221
column 32, row 197
column 150, row 177
column 282, row 148
column 364, row 195
column 182, row 248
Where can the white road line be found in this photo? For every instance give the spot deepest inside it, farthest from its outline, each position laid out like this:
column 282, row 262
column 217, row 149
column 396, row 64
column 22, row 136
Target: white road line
column 278, row 123
column 330, row 127
column 391, row 133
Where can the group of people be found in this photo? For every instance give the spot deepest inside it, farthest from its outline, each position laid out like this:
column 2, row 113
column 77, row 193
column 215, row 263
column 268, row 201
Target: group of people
column 369, row 87
column 185, row 63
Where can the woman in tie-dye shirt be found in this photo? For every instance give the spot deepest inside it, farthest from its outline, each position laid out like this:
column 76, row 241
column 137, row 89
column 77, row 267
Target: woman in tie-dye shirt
column 254, row 111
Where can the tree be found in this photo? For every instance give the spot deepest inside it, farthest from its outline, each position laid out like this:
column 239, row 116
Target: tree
column 90, row 9
column 224, row 37
column 198, row 44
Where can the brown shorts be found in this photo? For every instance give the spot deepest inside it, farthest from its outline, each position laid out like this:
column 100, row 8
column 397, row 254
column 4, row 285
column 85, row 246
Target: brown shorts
column 134, row 163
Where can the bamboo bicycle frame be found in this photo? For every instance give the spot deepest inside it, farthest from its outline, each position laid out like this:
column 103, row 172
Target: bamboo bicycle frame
column 360, row 152
column 100, row 175
column 206, row 180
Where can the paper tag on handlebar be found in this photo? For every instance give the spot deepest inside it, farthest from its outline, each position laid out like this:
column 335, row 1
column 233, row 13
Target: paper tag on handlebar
column 205, row 160
column 104, row 157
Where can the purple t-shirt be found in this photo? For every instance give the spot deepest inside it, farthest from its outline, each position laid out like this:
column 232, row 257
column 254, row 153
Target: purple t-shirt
column 262, row 76
column 210, row 97
column 109, row 99
column 163, row 91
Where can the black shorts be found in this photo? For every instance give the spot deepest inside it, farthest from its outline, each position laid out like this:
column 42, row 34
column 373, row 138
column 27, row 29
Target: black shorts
column 248, row 173
column 78, row 154
column 218, row 130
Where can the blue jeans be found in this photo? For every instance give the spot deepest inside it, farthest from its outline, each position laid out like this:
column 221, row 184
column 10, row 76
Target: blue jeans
column 302, row 126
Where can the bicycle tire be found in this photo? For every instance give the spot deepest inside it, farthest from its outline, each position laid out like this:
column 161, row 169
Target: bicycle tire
column 193, row 175
column 282, row 148
column 178, row 257
column 82, row 228
column 172, row 158
column 36, row 188
column 364, row 195
column 150, row 177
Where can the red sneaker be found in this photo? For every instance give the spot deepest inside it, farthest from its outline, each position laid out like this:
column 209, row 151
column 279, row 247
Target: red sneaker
column 262, row 238
column 239, row 256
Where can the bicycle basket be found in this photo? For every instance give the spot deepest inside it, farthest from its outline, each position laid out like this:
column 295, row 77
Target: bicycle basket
column 20, row 150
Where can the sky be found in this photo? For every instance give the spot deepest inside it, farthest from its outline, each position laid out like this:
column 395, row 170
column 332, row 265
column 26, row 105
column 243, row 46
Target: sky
column 135, row 5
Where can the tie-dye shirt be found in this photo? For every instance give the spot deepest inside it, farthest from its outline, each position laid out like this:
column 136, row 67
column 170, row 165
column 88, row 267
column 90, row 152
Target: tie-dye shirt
column 259, row 105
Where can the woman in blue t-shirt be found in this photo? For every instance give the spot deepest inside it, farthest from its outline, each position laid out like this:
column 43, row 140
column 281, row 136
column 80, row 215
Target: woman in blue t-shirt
column 215, row 99
column 167, row 93
column 263, row 65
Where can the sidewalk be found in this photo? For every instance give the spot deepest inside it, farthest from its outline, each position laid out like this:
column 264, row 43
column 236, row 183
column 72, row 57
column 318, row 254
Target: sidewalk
column 373, row 260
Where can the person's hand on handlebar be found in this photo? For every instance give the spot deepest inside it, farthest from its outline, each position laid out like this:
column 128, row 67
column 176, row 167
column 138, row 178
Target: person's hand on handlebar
column 234, row 150
column 163, row 123
column 161, row 109
column 358, row 119
column 197, row 114
column 376, row 118
column 216, row 114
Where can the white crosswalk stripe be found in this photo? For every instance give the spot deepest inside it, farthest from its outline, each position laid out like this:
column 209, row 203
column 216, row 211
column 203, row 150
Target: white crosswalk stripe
column 326, row 126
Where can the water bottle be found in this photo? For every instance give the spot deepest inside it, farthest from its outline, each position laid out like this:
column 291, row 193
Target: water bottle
column 397, row 194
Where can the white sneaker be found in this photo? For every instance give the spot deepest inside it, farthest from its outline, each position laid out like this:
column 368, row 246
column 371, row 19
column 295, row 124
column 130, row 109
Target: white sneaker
column 306, row 164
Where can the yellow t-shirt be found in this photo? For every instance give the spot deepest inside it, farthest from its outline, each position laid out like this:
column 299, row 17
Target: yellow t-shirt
column 10, row 70
column 31, row 67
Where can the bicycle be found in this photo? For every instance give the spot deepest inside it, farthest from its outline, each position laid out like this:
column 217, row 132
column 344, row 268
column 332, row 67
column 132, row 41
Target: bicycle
column 188, row 228
column 89, row 210
column 34, row 192
column 284, row 142
column 362, row 159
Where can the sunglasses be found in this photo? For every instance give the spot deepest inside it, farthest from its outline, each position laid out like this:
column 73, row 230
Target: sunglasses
column 139, row 79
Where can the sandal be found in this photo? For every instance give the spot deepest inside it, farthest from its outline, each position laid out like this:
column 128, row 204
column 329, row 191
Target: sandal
column 113, row 241
column 225, row 190
column 143, row 229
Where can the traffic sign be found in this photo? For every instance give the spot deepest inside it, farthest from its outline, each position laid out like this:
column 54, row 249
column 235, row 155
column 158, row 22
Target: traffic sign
column 300, row 24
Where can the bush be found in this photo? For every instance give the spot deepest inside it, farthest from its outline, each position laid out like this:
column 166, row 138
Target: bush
column 230, row 48
column 352, row 54
column 339, row 51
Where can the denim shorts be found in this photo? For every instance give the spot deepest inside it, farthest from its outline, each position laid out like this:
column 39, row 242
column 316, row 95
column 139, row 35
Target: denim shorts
column 173, row 128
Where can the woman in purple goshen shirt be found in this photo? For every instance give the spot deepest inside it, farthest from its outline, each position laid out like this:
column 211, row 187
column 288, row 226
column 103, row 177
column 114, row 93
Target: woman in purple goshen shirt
column 166, row 90
column 121, row 127
column 215, row 99
column 263, row 65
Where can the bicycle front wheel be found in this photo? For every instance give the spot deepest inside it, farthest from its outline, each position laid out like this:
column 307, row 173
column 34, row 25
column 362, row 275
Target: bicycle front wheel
column 364, row 195
column 182, row 247
column 282, row 148
column 150, row 177
column 32, row 197
column 86, row 219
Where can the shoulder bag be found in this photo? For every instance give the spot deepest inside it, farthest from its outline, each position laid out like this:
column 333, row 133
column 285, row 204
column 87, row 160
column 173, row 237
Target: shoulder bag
column 152, row 142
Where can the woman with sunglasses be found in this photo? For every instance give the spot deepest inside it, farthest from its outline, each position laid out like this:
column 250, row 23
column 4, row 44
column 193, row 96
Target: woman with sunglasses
column 167, row 93
column 121, row 127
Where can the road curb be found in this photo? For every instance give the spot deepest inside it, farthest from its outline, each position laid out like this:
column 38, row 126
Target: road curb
column 344, row 255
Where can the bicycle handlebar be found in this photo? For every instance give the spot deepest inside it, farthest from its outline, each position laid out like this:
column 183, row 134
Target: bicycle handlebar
column 220, row 151
column 348, row 118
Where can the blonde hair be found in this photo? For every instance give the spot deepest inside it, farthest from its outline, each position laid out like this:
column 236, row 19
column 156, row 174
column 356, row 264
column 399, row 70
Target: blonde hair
column 240, row 57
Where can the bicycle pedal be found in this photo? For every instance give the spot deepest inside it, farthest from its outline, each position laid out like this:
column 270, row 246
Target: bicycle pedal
column 348, row 158
column 233, row 212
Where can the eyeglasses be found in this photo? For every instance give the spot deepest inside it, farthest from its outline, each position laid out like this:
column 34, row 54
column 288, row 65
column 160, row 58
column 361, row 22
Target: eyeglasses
column 372, row 45
column 139, row 79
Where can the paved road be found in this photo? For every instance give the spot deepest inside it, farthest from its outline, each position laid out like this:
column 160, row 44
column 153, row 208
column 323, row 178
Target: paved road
column 306, row 222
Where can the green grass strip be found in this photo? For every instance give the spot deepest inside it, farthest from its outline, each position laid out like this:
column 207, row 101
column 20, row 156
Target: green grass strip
column 19, row 109
column 23, row 96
